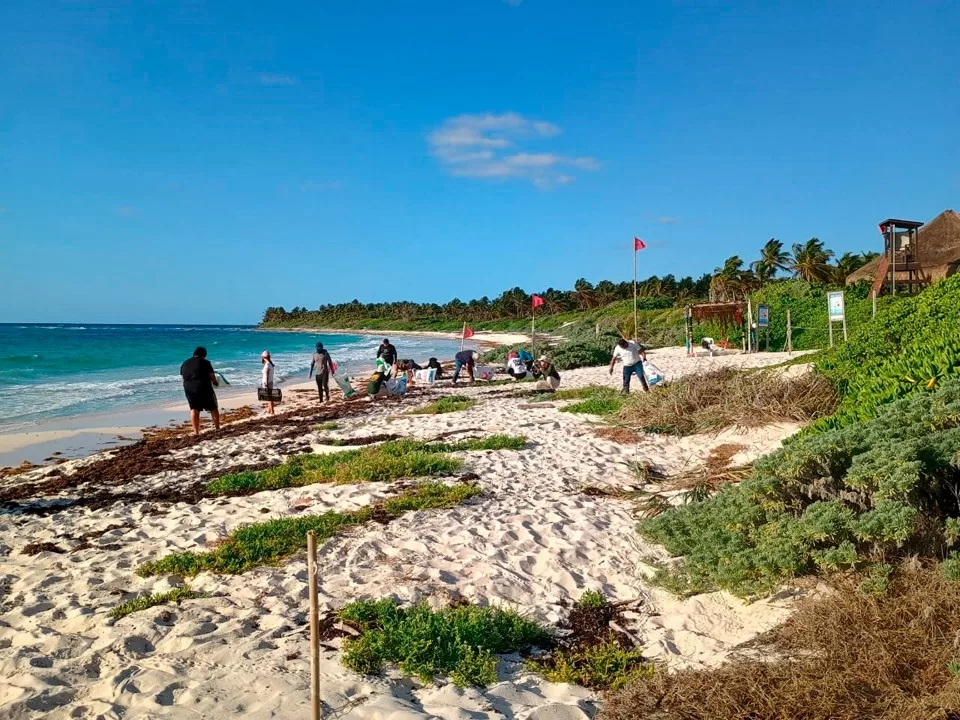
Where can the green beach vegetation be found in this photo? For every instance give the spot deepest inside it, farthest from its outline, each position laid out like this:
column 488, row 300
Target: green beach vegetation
column 148, row 601
column 461, row 641
column 446, row 404
column 376, row 463
column 274, row 541
column 872, row 482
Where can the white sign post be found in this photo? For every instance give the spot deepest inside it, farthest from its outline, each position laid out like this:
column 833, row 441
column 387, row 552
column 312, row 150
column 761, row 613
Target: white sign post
column 763, row 322
column 836, row 313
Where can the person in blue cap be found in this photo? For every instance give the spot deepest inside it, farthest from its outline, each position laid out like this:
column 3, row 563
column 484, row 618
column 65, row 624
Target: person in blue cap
column 323, row 364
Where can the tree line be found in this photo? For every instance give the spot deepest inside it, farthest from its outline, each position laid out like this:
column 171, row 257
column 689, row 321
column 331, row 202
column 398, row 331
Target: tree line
column 732, row 281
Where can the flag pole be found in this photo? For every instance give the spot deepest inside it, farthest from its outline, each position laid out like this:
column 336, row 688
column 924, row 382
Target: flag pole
column 636, row 326
column 533, row 330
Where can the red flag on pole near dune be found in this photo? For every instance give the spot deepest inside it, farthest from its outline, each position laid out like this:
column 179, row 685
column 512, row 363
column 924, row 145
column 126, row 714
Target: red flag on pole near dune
column 467, row 332
column 537, row 301
column 638, row 244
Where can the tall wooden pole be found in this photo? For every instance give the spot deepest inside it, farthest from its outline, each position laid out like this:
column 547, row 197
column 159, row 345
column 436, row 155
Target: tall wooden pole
column 636, row 325
column 789, row 334
column 314, row 627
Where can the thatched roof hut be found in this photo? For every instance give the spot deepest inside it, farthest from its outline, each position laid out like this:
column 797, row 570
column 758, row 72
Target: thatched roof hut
column 938, row 250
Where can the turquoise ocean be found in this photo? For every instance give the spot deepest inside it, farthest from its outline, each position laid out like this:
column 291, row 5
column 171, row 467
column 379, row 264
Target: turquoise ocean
column 58, row 371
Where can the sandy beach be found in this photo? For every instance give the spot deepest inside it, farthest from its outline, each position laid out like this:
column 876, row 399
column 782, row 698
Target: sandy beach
column 532, row 541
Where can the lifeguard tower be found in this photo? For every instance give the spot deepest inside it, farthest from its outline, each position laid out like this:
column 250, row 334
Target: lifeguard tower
column 899, row 268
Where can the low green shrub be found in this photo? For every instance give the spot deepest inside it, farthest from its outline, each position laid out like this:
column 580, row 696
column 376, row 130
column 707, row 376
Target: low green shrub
column 148, row 601
column 273, row 541
column 876, row 489
column 593, row 400
column 460, row 641
column 446, row 404
column 602, row 666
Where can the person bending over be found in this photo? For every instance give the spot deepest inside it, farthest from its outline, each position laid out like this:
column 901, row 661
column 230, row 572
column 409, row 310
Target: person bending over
column 632, row 356
column 465, row 358
column 322, row 363
column 198, row 383
column 434, row 364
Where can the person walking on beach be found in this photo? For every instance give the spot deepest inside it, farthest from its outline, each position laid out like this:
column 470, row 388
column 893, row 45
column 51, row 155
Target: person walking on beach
column 632, row 356
column 323, row 364
column 266, row 379
column 198, row 383
column 388, row 353
column 465, row 358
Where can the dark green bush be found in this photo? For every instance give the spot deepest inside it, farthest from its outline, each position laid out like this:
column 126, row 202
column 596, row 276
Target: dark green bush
column 875, row 489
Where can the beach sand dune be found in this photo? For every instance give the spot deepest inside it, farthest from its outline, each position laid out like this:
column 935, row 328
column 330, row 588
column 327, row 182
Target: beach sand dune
column 533, row 541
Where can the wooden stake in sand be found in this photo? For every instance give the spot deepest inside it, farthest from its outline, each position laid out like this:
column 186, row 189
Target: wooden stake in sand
column 314, row 627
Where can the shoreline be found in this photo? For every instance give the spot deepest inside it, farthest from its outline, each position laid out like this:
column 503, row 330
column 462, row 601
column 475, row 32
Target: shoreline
column 78, row 436
column 487, row 337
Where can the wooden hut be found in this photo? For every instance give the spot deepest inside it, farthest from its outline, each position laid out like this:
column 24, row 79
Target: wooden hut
column 931, row 253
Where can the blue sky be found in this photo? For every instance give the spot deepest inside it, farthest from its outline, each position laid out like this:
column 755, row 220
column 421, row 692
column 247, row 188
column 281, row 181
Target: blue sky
column 199, row 161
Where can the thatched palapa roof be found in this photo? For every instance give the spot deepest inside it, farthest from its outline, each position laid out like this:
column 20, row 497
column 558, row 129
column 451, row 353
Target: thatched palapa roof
column 938, row 250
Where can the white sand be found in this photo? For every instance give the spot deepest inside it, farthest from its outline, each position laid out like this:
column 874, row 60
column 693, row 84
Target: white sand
column 532, row 541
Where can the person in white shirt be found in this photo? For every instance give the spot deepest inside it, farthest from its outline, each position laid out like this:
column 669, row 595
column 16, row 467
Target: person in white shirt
column 266, row 378
column 516, row 368
column 632, row 356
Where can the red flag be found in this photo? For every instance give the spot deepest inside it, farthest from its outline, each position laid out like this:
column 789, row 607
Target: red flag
column 537, row 301
column 467, row 332
column 883, row 229
column 638, row 244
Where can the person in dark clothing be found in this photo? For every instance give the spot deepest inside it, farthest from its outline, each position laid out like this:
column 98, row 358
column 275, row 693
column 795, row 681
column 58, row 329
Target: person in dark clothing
column 387, row 352
column 547, row 373
column 434, row 364
column 198, row 383
column 322, row 363
column 408, row 365
column 465, row 358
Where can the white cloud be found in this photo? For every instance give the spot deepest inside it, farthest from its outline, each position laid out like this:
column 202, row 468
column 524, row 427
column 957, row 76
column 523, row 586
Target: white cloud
column 487, row 146
column 276, row 79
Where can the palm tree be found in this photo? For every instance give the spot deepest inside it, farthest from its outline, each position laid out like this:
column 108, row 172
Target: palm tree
column 728, row 282
column 811, row 261
column 846, row 264
column 772, row 259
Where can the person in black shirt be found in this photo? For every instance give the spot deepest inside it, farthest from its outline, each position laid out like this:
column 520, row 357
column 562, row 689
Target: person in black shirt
column 198, row 383
column 388, row 353
column 434, row 364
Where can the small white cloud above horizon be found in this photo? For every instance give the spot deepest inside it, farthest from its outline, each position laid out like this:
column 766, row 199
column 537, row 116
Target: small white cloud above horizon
column 276, row 79
column 321, row 186
column 486, row 146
